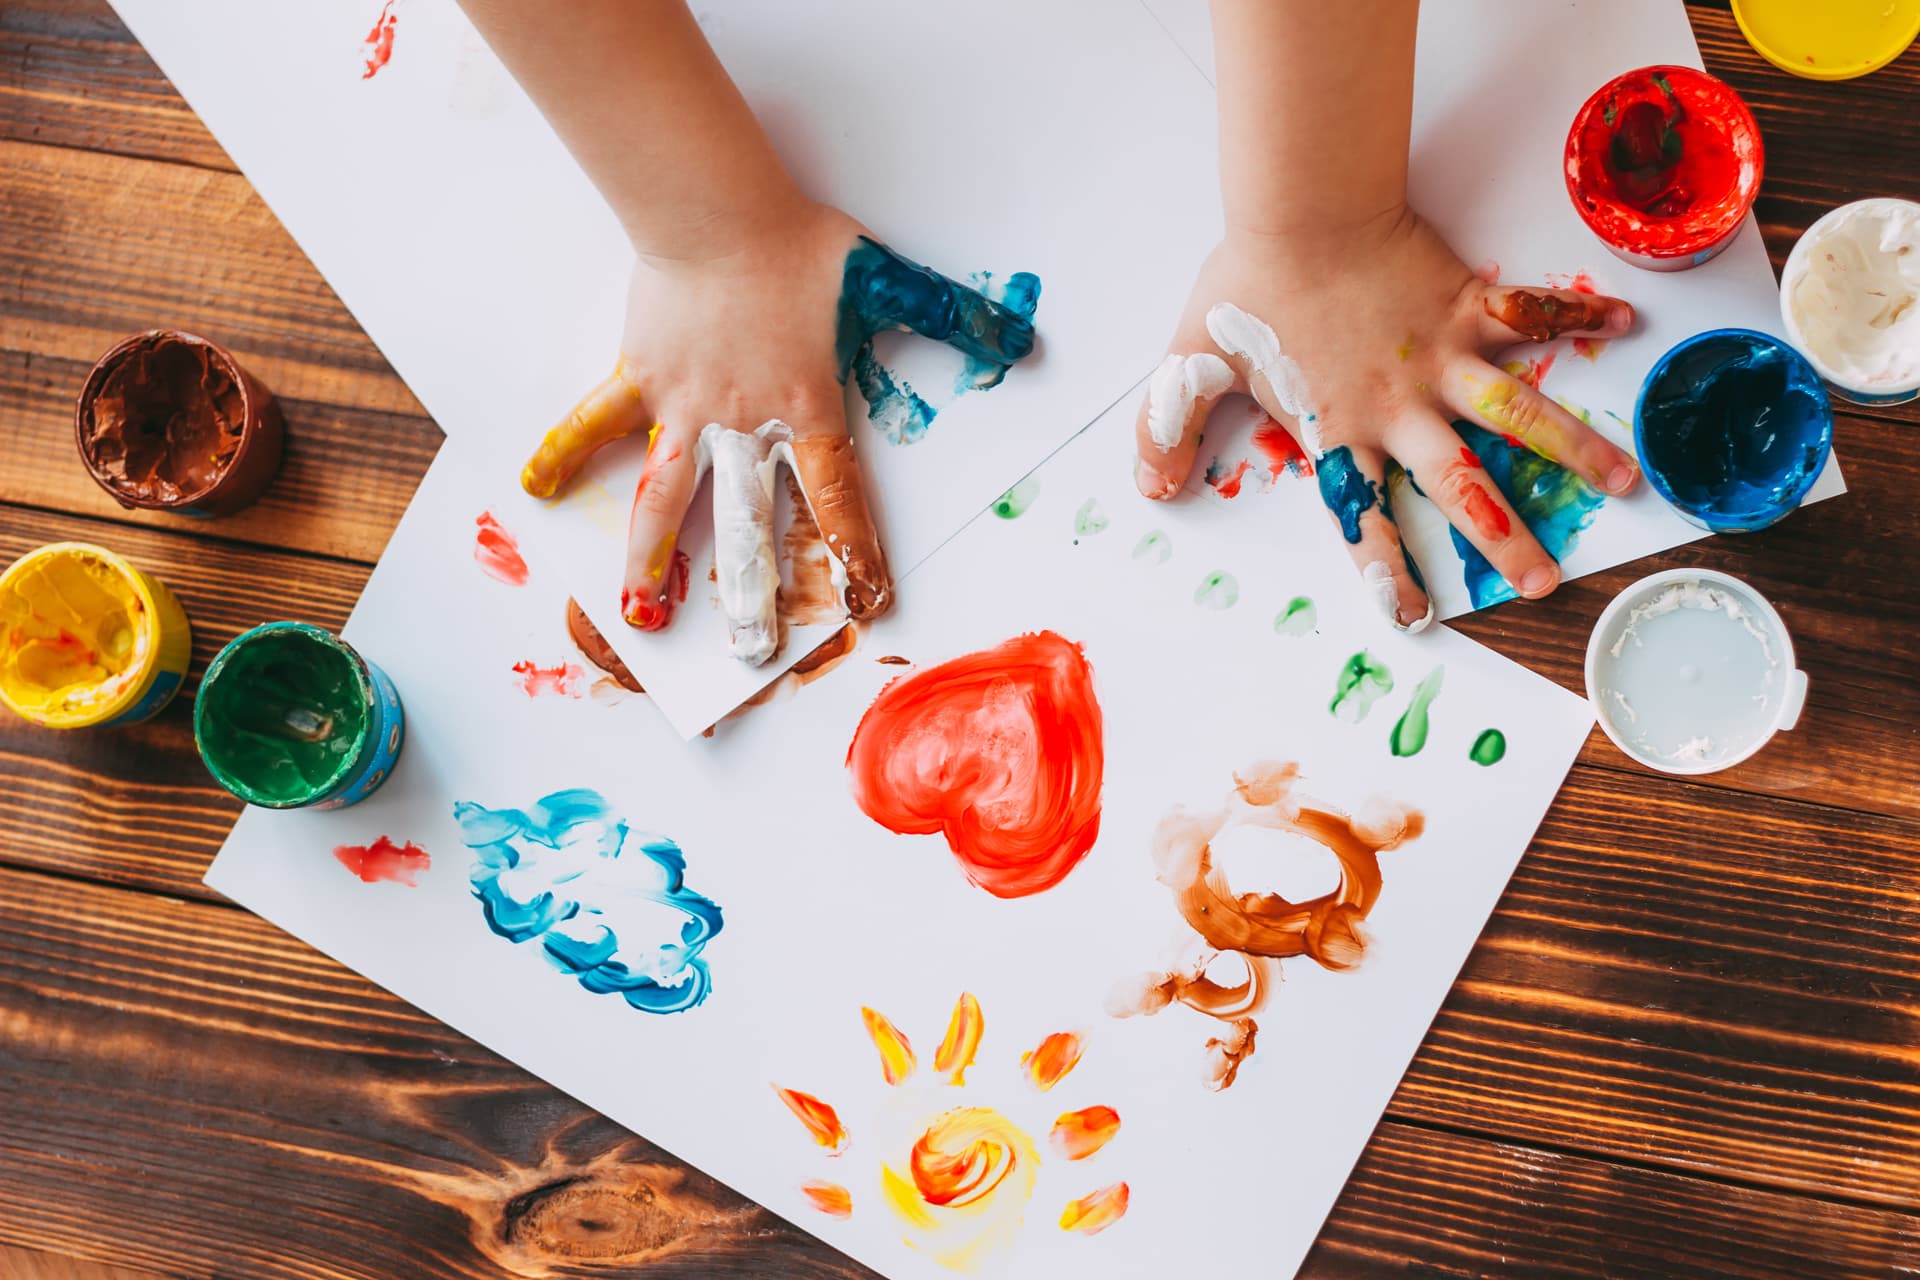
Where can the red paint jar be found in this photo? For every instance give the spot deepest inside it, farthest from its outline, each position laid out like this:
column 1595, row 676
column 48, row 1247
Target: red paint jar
column 170, row 422
column 1663, row 164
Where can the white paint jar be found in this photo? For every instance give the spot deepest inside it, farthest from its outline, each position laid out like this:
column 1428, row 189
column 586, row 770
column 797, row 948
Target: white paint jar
column 1692, row 671
column 1850, row 300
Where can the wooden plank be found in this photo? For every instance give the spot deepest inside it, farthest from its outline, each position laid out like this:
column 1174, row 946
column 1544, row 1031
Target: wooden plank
column 134, row 806
column 101, row 246
column 31, row 1264
column 72, row 75
column 166, row 1061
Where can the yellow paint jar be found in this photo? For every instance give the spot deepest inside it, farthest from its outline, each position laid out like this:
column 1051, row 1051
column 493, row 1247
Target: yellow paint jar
column 87, row 639
column 1828, row 39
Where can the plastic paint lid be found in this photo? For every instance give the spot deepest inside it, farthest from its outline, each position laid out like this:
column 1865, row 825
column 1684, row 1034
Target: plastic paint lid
column 1830, row 39
column 1691, row 671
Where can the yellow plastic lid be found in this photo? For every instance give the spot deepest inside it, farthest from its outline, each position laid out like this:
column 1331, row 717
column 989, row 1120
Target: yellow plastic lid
column 1828, row 39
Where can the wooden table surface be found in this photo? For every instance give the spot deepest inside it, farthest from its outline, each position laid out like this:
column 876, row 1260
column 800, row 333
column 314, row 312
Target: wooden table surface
column 1688, row 1043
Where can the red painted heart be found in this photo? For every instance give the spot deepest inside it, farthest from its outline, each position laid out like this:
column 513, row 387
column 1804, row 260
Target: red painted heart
column 999, row 751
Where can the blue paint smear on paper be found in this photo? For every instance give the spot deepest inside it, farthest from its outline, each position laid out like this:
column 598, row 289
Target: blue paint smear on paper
column 990, row 324
column 608, row 905
column 1346, row 491
column 1553, row 502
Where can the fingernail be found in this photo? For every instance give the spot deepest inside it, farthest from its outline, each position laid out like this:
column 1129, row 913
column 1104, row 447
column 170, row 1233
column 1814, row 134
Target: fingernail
column 1150, row 482
column 1413, row 623
column 1620, row 318
column 1539, row 580
column 1621, row 478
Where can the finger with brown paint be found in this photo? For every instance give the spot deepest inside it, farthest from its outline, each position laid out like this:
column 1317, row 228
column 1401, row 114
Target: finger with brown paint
column 655, row 580
column 836, row 495
column 1511, row 314
column 1353, row 485
column 613, row 409
column 1453, row 476
column 1509, row 407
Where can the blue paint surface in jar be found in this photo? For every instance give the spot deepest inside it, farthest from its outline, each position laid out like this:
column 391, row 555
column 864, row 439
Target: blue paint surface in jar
column 1733, row 427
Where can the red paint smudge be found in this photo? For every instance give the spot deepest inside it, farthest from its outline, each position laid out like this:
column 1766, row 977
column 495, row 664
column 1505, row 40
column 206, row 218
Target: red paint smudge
column 1580, row 281
column 1470, row 458
column 498, row 552
column 1589, row 348
column 1228, row 486
column 378, row 46
column 563, row 680
column 383, row 860
column 999, row 751
column 1513, row 440
column 1536, row 371
column 1282, row 450
column 1488, row 516
column 651, row 613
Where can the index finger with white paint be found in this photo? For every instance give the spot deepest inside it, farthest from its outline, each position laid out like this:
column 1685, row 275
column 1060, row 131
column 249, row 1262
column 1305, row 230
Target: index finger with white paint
column 1180, row 395
column 745, row 571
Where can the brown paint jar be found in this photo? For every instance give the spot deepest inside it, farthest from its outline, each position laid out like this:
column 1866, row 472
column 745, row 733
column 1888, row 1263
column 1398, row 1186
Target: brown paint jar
column 170, row 422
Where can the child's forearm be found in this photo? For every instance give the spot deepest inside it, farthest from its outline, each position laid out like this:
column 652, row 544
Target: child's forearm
column 635, row 92
column 1316, row 107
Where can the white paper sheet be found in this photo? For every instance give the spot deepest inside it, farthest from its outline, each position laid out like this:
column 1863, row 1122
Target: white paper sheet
column 1003, row 136
column 1496, row 87
column 826, row 912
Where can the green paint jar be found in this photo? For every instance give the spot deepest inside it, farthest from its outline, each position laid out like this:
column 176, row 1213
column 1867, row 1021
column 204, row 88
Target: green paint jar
column 290, row 716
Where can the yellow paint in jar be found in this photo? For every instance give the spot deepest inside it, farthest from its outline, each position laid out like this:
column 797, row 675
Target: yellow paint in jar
column 87, row 639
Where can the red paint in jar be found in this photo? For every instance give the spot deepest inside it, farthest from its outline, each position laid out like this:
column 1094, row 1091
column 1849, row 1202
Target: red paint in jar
column 1663, row 165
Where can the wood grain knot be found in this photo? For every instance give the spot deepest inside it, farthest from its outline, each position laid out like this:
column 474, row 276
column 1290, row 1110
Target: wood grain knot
column 587, row 1220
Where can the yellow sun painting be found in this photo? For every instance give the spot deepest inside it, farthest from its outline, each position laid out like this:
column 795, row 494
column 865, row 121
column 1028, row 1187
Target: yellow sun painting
column 959, row 1181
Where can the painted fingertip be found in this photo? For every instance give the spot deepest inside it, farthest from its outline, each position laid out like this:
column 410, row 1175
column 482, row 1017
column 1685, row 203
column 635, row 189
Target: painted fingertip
column 1152, row 483
column 1420, row 623
column 1621, row 479
column 1378, row 576
column 1538, row 581
column 1619, row 318
column 752, row 645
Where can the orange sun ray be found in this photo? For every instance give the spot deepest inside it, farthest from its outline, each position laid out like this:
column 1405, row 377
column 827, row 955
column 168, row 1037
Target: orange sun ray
column 829, row 1198
column 962, row 1041
column 1095, row 1211
column 1078, row 1134
column 896, row 1053
column 822, row 1121
column 1048, row 1063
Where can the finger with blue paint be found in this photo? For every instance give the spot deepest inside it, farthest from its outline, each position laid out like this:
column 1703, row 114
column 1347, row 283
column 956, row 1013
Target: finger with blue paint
column 1456, row 479
column 881, row 290
column 1353, row 485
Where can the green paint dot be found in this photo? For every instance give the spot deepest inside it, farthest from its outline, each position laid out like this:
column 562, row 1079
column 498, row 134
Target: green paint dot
column 1014, row 502
column 1410, row 732
column 1363, row 679
column 1489, row 748
column 1154, row 547
column 1299, row 618
column 1090, row 518
column 1218, row 590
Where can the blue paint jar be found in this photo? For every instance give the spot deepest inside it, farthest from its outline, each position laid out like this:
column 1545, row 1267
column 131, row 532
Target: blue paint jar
column 1733, row 427
column 291, row 716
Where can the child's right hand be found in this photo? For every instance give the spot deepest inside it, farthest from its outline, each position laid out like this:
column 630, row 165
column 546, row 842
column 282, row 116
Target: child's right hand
column 1364, row 342
column 736, row 358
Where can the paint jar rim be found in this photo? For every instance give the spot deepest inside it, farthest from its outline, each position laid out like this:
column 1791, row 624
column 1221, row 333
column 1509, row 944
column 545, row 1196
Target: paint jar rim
column 150, row 628
column 1742, row 126
column 1791, row 702
column 1796, row 266
column 1868, row 64
column 1657, row 478
column 350, row 763
column 255, row 403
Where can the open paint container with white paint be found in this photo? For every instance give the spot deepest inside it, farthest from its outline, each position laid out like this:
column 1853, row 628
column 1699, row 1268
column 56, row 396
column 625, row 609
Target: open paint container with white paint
column 1692, row 671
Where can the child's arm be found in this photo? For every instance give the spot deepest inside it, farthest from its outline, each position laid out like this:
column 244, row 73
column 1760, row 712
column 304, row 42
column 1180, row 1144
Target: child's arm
column 748, row 306
column 1342, row 312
